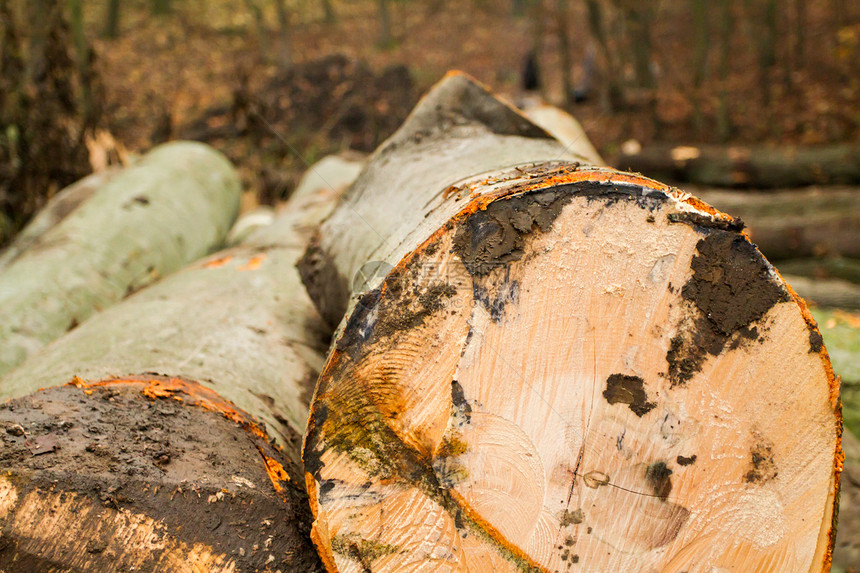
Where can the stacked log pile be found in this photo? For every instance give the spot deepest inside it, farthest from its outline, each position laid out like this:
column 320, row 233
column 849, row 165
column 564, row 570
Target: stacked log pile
column 538, row 364
column 164, row 433
column 109, row 236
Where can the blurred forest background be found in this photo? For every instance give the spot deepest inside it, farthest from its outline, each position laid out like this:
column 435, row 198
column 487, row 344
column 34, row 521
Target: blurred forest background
column 738, row 93
column 277, row 83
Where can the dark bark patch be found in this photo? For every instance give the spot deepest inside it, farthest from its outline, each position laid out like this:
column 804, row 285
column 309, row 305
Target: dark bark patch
column 731, row 288
column 494, row 237
column 816, row 342
column 762, row 467
column 702, row 222
column 495, row 302
column 686, row 461
column 327, row 287
column 459, row 405
column 630, row 390
column 731, row 284
column 659, row 478
column 571, row 517
column 361, row 323
column 362, row 551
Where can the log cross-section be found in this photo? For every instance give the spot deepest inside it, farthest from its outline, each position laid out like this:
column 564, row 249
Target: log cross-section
column 568, row 368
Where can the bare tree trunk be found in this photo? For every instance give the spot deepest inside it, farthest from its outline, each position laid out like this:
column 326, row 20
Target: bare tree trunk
column 330, row 14
column 385, row 37
column 161, row 7
column 111, row 29
column 260, row 27
column 596, row 24
column 764, row 18
column 726, row 24
column 565, row 61
column 41, row 15
column 173, row 206
column 640, row 16
column 701, row 21
column 285, row 52
column 83, row 59
column 553, row 367
column 800, row 24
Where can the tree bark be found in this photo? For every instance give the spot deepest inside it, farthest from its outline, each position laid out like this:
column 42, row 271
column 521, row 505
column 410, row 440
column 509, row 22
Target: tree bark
column 564, row 127
column 750, row 167
column 726, row 25
column 796, row 224
column 175, row 205
column 179, row 412
column 565, row 61
column 616, row 97
column 385, row 37
column 112, row 19
column 285, row 50
column 565, row 364
column 55, row 210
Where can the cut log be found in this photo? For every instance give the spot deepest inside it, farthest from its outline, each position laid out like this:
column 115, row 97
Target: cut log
column 566, row 368
column 168, row 438
column 173, row 206
column 824, row 268
column 828, row 293
column 57, row 208
column 814, row 222
column 564, row 127
column 751, row 167
column 262, row 216
column 846, row 554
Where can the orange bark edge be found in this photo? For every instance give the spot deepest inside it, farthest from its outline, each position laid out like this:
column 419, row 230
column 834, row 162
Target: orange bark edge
column 192, row 393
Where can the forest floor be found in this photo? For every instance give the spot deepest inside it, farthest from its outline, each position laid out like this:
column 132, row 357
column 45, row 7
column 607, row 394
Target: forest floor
column 205, row 71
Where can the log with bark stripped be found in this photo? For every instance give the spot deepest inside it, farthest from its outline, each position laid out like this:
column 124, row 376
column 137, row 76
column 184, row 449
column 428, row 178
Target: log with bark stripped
column 812, row 222
column 168, row 435
column 173, row 206
column 752, row 167
column 567, row 368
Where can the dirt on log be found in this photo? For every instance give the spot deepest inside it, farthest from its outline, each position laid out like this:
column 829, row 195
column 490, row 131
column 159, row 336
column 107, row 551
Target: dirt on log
column 549, row 366
column 748, row 167
column 167, row 436
column 173, row 206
